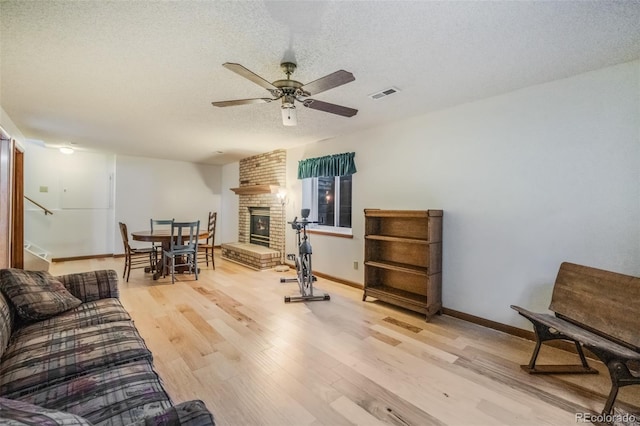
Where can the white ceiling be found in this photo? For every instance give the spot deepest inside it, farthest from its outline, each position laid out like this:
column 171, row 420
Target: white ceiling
column 137, row 78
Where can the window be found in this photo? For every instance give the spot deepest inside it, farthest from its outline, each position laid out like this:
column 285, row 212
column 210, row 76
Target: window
column 329, row 199
column 326, row 190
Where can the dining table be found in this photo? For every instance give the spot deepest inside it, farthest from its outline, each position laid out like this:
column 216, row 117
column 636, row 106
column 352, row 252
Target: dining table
column 163, row 236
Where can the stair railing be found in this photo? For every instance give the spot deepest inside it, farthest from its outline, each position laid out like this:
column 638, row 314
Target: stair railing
column 46, row 210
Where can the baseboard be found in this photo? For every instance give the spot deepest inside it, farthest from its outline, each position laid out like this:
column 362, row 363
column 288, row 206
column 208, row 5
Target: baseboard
column 93, row 256
column 509, row 329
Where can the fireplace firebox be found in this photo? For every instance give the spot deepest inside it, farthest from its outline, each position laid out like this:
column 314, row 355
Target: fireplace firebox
column 259, row 226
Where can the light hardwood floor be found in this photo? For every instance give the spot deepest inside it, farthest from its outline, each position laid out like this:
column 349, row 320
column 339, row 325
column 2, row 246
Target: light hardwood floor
column 230, row 340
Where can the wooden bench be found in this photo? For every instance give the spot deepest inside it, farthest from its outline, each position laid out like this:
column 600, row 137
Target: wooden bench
column 598, row 310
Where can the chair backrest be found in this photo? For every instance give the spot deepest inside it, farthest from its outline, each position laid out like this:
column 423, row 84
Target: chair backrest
column 125, row 236
column 604, row 302
column 212, row 227
column 184, row 235
column 160, row 222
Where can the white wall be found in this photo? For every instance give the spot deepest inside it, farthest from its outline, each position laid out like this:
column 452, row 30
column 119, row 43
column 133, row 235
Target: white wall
column 90, row 193
column 162, row 189
column 230, row 203
column 79, row 191
column 526, row 180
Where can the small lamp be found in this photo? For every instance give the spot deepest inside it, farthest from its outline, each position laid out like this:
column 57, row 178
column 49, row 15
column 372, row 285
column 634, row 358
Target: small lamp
column 282, row 196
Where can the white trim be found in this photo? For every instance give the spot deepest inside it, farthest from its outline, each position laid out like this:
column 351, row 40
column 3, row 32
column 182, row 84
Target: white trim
column 331, row 229
column 4, row 135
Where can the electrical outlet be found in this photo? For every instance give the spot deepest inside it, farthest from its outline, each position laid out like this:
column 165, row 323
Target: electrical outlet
column 355, row 264
column 44, row 189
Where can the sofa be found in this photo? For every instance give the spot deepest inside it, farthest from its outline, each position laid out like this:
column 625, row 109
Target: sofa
column 70, row 354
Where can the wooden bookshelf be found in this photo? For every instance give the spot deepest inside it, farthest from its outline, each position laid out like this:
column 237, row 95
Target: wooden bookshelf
column 403, row 258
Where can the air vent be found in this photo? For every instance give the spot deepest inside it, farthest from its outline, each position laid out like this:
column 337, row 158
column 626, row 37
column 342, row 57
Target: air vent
column 384, row 93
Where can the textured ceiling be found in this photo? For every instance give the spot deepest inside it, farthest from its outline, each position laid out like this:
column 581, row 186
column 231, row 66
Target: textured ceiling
column 137, row 78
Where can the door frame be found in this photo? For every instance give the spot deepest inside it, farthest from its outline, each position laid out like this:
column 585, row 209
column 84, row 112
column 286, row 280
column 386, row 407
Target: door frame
column 6, row 154
column 17, row 218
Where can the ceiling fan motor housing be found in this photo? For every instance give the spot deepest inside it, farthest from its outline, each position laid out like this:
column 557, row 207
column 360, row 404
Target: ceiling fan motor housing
column 288, row 88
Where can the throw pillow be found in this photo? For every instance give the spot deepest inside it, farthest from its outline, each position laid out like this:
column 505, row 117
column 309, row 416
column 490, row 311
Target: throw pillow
column 36, row 295
column 20, row 413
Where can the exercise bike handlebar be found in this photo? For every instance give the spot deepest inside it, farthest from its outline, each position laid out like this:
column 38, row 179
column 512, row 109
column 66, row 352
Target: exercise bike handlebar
column 296, row 224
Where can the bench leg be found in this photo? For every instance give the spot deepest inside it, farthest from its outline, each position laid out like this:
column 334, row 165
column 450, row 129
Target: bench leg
column 583, row 359
column 613, row 393
column 543, row 334
column 534, row 355
column 619, row 373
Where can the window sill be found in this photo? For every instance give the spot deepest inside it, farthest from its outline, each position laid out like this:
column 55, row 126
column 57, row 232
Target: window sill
column 329, row 233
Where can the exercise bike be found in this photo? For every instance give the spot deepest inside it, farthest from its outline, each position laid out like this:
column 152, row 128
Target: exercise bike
column 302, row 261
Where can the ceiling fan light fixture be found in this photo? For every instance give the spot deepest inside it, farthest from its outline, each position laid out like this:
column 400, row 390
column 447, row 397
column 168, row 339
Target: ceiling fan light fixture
column 289, row 115
column 67, row 150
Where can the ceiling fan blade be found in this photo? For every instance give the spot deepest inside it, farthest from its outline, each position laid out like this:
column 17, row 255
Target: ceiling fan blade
column 332, row 108
column 249, row 75
column 242, row 102
column 327, row 82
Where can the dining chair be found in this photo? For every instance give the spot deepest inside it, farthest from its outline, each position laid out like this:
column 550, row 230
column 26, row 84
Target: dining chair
column 205, row 249
column 183, row 249
column 157, row 247
column 135, row 258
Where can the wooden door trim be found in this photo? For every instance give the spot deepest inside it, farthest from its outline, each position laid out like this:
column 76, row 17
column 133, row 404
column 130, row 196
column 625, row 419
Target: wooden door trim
column 6, row 152
column 17, row 219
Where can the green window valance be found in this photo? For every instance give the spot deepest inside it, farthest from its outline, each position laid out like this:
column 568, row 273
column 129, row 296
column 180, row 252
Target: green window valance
column 327, row 166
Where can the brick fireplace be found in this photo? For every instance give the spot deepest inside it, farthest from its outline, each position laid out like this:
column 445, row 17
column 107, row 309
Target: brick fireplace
column 260, row 246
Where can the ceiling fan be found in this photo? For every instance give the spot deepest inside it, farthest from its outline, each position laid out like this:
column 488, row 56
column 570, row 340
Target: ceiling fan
column 290, row 91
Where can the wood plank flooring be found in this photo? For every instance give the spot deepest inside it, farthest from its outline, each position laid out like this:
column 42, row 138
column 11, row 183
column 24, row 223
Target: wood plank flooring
column 230, row 340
